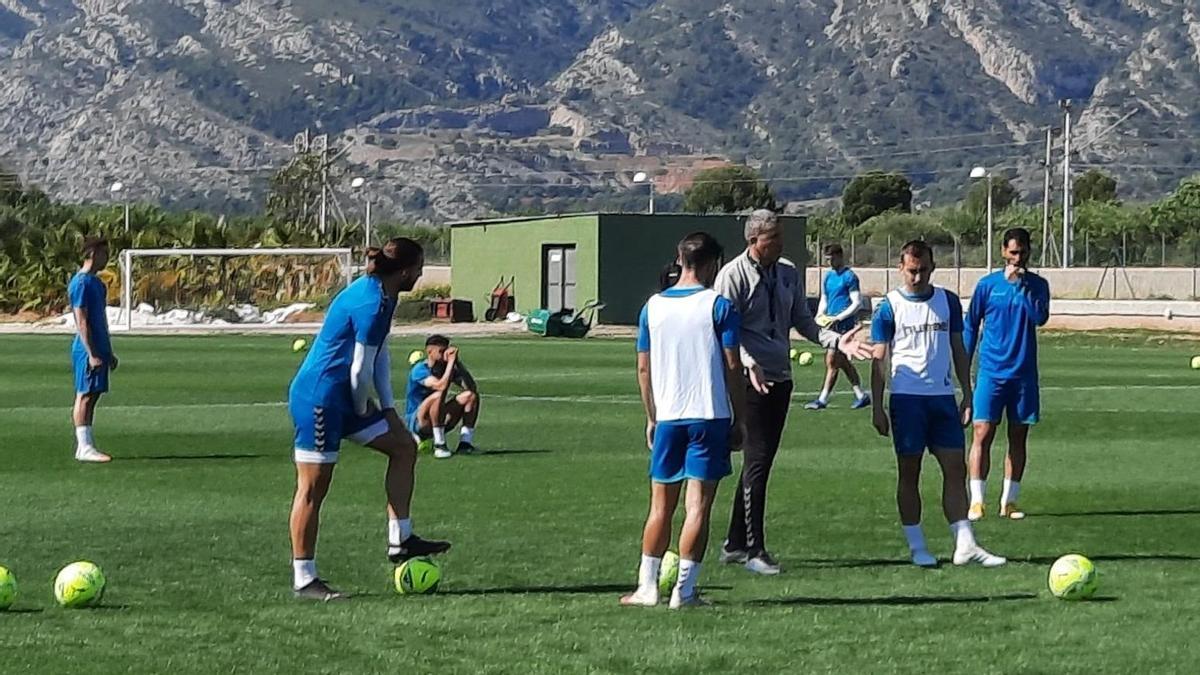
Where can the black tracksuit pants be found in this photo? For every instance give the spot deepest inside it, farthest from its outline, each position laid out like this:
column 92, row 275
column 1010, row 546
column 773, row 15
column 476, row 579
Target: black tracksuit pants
column 765, row 418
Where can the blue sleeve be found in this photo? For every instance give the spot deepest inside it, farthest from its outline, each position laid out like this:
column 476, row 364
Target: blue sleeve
column 77, row 293
column 883, row 324
column 371, row 324
column 852, row 283
column 727, row 322
column 1037, row 295
column 956, row 313
column 975, row 315
column 419, row 372
column 643, row 338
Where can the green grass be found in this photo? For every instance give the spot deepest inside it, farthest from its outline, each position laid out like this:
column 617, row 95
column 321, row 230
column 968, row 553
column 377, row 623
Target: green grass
column 190, row 526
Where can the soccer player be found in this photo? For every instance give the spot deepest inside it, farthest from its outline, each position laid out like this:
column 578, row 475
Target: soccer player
column 330, row 399
column 839, row 305
column 768, row 292
column 690, row 377
column 1011, row 304
column 91, row 351
column 430, row 409
column 920, row 327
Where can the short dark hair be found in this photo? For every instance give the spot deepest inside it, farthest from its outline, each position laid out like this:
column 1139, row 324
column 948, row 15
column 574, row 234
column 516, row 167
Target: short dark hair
column 834, row 249
column 437, row 341
column 669, row 275
column 1020, row 234
column 916, row 249
column 397, row 254
column 699, row 248
column 92, row 244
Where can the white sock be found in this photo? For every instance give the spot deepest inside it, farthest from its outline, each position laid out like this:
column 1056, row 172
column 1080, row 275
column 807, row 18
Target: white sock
column 688, row 572
column 824, row 397
column 858, row 392
column 964, row 537
column 304, row 572
column 977, row 487
column 466, row 435
column 83, row 437
column 1011, row 489
column 916, row 537
column 648, row 572
column 399, row 529
column 439, row 435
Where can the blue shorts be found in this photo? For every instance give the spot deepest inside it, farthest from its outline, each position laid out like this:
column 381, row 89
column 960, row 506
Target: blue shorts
column 1019, row 398
column 414, row 426
column 89, row 380
column 921, row 422
column 696, row 450
column 320, row 429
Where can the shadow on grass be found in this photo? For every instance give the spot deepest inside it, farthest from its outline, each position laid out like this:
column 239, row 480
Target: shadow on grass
column 1120, row 512
column 22, row 611
column 497, row 453
column 850, row 563
column 584, row 589
column 897, row 600
column 1111, row 557
column 191, row 458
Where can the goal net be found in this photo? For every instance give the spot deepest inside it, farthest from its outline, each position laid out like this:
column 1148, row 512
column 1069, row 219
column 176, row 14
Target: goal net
column 230, row 288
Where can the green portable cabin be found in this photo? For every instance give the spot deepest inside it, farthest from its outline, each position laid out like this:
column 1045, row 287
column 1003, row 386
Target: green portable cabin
column 563, row 261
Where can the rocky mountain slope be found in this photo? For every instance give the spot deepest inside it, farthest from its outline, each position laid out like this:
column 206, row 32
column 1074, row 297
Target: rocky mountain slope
column 454, row 110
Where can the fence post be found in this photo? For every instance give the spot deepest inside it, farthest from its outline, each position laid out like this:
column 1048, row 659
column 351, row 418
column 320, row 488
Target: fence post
column 853, row 262
column 1087, row 249
column 1163, row 238
column 887, row 271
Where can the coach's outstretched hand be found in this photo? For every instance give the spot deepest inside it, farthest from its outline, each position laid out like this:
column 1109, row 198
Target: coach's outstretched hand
column 854, row 346
column 758, row 379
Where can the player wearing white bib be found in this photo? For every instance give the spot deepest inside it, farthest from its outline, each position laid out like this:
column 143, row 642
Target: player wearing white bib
column 690, row 376
column 920, row 326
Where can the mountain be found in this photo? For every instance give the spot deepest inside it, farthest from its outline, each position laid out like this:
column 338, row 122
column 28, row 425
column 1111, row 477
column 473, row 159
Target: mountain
column 454, row 110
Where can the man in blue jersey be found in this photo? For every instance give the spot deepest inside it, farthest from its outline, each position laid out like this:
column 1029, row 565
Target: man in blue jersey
column 919, row 327
column 690, row 376
column 1010, row 304
column 430, row 409
column 330, row 399
column 91, row 351
column 837, row 310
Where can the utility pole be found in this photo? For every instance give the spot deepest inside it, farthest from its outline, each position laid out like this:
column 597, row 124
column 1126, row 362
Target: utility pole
column 1066, row 252
column 1046, row 196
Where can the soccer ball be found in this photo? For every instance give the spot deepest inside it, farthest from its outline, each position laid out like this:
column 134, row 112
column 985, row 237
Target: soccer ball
column 1196, row 363
column 8, row 588
column 805, row 358
column 425, row 447
column 417, row 576
column 794, row 354
column 668, row 574
column 299, row 345
column 416, row 357
column 1073, row 577
column 80, row 584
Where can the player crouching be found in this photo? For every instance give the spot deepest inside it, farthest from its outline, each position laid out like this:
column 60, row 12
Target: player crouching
column 431, row 410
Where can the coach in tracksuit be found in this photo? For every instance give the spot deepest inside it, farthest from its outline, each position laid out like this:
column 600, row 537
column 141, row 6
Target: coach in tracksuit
column 768, row 292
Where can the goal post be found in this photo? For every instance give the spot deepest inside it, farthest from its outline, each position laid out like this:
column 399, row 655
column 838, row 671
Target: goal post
column 203, row 282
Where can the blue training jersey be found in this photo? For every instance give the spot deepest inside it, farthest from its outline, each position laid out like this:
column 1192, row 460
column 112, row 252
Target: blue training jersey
column 727, row 324
column 417, row 392
column 360, row 313
column 90, row 293
column 838, row 286
column 1010, row 313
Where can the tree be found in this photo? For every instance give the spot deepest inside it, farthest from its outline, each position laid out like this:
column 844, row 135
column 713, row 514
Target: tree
column 1003, row 195
column 728, row 189
column 1094, row 186
column 1178, row 214
column 296, row 190
column 874, row 193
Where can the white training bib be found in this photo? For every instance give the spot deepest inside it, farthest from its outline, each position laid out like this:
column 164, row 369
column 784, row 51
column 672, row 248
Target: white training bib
column 687, row 369
column 922, row 363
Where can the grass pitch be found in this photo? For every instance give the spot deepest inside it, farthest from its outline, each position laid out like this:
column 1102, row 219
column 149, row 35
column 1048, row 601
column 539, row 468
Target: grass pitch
column 190, row 525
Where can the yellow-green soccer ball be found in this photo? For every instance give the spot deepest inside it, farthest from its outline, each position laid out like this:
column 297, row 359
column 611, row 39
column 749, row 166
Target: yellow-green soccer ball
column 1073, row 577
column 80, row 584
column 1196, row 363
column 425, row 447
column 299, row 345
column 794, row 354
column 416, row 357
column 417, row 576
column 805, row 358
column 668, row 574
column 8, row 588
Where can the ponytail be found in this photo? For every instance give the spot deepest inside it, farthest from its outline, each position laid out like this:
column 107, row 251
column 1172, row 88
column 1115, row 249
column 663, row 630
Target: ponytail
column 396, row 255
